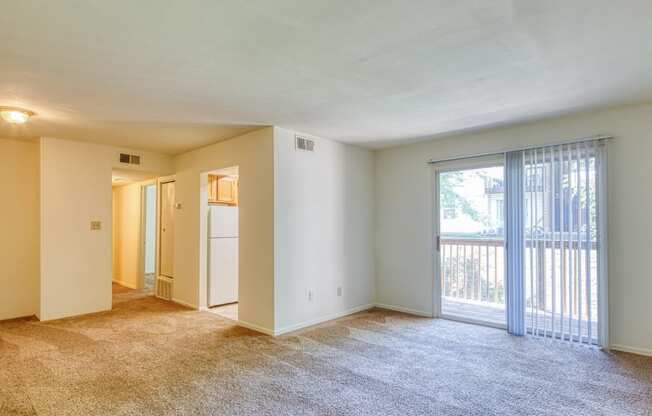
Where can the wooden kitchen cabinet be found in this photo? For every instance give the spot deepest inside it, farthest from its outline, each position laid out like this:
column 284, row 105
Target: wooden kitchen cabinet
column 222, row 190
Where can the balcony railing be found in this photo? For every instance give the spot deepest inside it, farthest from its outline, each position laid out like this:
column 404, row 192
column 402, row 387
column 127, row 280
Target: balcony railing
column 473, row 280
column 473, row 269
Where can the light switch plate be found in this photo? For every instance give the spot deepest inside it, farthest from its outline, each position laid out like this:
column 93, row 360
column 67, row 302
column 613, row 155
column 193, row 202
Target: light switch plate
column 96, row 225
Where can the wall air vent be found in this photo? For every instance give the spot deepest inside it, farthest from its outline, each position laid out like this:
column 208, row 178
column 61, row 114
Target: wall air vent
column 130, row 159
column 164, row 288
column 302, row 143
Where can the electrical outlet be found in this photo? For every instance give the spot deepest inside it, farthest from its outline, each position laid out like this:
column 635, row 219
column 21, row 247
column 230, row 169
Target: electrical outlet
column 310, row 295
column 339, row 291
column 96, row 225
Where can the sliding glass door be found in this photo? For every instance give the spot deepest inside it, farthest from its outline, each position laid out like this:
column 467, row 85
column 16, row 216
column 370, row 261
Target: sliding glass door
column 520, row 241
column 470, row 197
column 561, row 241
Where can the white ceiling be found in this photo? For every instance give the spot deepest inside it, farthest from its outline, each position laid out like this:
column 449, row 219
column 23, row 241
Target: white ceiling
column 171, row 76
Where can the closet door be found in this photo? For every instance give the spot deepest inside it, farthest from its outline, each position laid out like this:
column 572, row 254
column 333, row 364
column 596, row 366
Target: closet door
column 167, row 229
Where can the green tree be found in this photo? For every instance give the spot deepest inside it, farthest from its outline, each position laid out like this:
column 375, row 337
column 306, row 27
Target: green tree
column 449, row 182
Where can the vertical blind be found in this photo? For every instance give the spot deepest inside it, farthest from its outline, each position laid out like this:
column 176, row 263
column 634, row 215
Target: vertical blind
column 514, row 177
column 561, row 259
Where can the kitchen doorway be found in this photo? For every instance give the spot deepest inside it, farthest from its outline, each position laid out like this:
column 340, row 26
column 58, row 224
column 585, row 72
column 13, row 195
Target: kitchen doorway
column 223, row 235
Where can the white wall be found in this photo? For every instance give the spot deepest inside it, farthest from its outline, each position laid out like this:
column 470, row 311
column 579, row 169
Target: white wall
column 324, row 231
column 75, row 262
column 19, row 228
column 75, row 190
column 403, row 221
column 254, row 154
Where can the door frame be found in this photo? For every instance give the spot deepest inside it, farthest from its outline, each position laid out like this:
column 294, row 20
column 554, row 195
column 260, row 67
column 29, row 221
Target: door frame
column 474, row 162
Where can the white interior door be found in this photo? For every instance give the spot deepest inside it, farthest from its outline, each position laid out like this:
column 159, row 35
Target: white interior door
column 167, row 229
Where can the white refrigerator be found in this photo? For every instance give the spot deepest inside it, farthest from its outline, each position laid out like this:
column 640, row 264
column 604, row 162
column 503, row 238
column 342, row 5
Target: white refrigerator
column 222, row 255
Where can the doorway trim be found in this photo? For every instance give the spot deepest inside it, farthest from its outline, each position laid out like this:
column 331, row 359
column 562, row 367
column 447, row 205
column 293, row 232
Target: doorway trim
column 473, row 162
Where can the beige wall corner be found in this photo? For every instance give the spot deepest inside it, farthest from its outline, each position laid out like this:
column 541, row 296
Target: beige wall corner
column 76, row 261
column 254, row 154
column 19, row 222
column 324, row 238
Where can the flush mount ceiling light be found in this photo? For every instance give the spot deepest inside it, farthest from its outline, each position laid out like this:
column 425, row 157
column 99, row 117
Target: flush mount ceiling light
column 15, row 115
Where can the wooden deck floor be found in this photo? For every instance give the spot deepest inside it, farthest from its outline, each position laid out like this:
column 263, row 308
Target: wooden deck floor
column 494, row 314
column 484, row 312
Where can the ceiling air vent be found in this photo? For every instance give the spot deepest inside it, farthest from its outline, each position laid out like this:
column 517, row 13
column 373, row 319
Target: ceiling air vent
column 130, row 159
column 301, row 143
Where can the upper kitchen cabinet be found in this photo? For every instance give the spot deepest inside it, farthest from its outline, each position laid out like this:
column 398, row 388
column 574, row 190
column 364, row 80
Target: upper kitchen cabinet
column 222, row 189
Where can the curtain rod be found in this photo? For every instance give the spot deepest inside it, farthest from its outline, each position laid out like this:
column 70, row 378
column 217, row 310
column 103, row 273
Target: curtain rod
column 516, row 149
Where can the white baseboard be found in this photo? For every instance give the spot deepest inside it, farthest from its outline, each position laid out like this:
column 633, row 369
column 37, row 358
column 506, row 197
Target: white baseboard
column 404, row 310
column 634, row 350
column 255, row 327
column 125, row 284
column 186, row 304
column 296, row 327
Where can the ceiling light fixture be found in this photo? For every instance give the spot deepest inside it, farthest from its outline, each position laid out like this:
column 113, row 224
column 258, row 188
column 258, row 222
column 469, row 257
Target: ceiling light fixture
column 15, row 115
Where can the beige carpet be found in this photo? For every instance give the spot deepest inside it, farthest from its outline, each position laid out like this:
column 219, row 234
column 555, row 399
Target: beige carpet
column 150, row 357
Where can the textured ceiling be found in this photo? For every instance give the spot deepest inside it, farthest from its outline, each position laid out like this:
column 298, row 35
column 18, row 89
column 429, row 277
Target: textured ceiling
column 172, row 76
